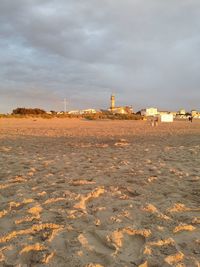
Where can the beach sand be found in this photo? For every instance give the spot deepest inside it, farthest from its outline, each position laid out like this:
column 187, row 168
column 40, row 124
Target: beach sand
column 99, row 193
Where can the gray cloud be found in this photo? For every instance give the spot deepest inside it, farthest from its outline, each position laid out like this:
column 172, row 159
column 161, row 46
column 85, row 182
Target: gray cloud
column 147, row 52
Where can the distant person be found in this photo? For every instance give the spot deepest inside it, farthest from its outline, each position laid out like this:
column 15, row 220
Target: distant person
column 154, row 121
column 190, row 118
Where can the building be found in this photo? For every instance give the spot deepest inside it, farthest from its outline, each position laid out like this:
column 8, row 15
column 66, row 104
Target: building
column 75, row 112
column 119, row 109
column 162, row 112
column 89, row 111
column 182, row 112
column 166, row 117
column 149, row 112
column 112, row 102
column 195, row 114
column 83, row 111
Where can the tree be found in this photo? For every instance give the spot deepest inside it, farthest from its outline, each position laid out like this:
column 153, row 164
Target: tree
column 28, row 111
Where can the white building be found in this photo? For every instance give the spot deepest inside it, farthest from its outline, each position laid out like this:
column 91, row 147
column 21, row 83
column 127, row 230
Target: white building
column 195, row 114
column 89, row 111
column 182, row 111
column 166, row 117
column 84, row 111
column 75, row 112
column 149, row 112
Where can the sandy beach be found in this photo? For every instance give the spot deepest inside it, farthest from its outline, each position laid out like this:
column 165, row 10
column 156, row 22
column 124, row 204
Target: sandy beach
column 99, row 193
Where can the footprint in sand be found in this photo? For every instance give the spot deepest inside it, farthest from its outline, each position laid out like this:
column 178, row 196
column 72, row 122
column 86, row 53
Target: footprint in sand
column 132, row 249
column 128, row 250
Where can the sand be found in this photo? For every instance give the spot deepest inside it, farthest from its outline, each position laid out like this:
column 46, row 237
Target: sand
column 99, row 193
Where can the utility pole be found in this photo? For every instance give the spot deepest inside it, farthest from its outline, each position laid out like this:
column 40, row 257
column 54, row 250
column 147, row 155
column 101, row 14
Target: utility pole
column 65, row 105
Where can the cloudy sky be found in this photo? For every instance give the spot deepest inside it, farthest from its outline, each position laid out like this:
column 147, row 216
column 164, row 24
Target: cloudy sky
column 147, row 52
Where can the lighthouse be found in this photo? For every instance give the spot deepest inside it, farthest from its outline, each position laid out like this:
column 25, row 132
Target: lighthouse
column 112, row 102
column 119, row 109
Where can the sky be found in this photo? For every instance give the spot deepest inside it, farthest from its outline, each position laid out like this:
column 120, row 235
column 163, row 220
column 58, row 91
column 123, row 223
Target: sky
column 146, row 52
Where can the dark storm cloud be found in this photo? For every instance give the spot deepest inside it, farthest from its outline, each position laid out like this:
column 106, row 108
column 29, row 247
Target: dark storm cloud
column 147, row 52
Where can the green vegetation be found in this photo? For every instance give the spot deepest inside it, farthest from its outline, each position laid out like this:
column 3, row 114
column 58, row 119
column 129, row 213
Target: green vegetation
column 110, row 116
column 28, row 111
column 40, row 113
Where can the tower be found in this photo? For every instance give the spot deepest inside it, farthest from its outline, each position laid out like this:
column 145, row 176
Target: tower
column 112, row 102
